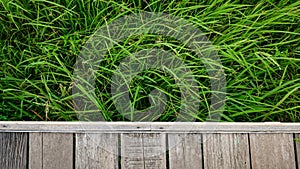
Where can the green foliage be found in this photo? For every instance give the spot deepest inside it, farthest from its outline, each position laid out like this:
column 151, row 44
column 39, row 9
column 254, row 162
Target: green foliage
column 258, row 42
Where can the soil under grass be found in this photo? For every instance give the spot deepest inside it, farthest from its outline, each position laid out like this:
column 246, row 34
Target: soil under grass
column 258, row 43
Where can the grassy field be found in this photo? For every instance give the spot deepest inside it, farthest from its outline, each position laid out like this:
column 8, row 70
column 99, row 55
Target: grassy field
column 258, row 42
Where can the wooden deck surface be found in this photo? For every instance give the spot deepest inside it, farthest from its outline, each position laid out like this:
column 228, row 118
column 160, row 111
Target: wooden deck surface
column 73, row 145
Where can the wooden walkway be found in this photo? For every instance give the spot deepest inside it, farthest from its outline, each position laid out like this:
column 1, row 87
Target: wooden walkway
column 71, row 145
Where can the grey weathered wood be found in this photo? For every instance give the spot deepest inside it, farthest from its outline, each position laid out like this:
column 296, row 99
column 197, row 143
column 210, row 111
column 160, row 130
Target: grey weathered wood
column 143, row 145
column 57, row 151
column 140, row 151
column 74, row 127
column 272, row 151
column 96, row 151
column 149, row 127
column 226, row 151
column 35, row 150
column 154, row 150
column 132, row 151
column 13, row 150
column 185, row 151
column 297, row 144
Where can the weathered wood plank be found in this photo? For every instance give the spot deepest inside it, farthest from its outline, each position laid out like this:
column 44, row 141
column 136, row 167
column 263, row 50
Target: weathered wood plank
column 272, row 151
column 226, row 151
column 297, row 143
column 74, row 127
column 132, row 151
column 149, row 127
column 154, row 150
column 185, row 151
column 13, row 150
column 140, row 151
column 96, row 151
column 147, row 150
column 57, row 151
column 35, row 150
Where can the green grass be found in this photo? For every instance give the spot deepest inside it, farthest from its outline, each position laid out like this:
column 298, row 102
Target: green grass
column 258, row 43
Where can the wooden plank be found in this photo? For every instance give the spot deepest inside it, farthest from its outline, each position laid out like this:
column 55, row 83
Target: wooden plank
column 149, row 127
column 226, row 151
column 57, row 151
column 13, row 150
column 297, row 144
column 140, row 151
column 132, row 151
column 155, row 150
column 96, row 151
column 272, row 151
column 74, row 127
column 185, row 151
column 35, row 150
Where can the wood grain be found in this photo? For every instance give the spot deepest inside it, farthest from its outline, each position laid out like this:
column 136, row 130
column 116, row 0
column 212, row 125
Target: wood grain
column 35, row 150
column 226, row 151
column 140, row 151
column 51, row 151
column 13, row 150
column 96, row 151
column 149, row 127
column 185, row 151
column 132, row 151
column 143, row 145
column 57, row 151
column 154, row 150
column 272, row 151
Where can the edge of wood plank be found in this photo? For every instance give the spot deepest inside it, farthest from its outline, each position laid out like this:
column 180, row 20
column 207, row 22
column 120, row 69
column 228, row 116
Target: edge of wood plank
column 149, row 127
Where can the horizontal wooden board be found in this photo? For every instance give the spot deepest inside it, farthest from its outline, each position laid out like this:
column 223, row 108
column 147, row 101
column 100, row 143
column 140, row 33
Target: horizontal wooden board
column 149, row 127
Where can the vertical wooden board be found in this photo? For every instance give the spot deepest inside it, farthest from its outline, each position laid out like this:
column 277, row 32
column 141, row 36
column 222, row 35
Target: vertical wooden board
column 132, row 151
column 57, row 151
column 140, row 151
column 35, row 150
column 96, row 151
column 297, row 144
column 13, row 150
column 272, row 151
column 226, row 151
column 154, row 150
column 185, row 151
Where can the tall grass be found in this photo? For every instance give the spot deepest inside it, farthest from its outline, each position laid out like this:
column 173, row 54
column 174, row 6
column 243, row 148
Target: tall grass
column 258, row 42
